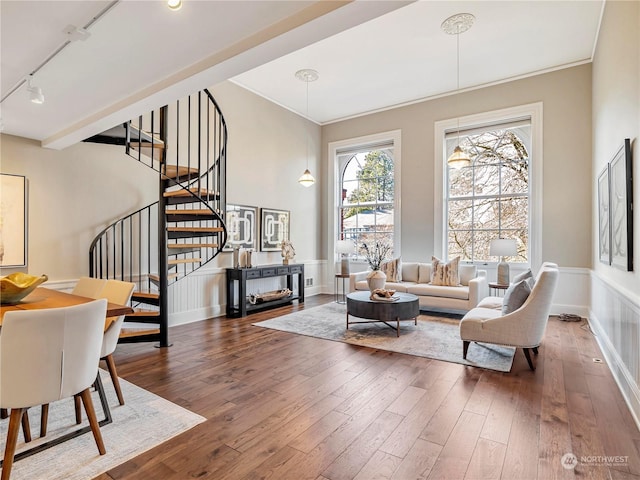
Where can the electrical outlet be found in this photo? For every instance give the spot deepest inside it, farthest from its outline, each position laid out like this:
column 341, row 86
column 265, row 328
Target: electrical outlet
column 308, row 282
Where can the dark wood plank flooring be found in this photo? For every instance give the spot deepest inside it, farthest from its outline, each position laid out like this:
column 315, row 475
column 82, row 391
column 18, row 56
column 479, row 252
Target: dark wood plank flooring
column 284, row 406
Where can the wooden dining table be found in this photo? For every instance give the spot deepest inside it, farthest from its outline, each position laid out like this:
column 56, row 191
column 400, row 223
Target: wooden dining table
column 43, row 297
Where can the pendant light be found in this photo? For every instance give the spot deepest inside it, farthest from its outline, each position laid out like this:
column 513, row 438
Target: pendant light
column 307, row 75
column 455, row 25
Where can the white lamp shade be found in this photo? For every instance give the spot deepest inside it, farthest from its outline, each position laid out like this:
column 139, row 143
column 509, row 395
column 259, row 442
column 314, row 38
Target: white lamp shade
column 459, row 158
column 344, row 246
column 503, row 247
column 306, row 179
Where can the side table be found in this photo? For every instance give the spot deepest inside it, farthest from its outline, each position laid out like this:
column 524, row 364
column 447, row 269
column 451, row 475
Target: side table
column 495, row 288
column 341, row 297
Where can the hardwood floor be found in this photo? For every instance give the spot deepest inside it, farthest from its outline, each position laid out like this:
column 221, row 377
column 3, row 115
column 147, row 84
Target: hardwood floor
column 284, row 406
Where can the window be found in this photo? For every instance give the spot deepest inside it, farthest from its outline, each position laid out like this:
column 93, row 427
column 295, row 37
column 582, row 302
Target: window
column 364, row 175
column 490, row 198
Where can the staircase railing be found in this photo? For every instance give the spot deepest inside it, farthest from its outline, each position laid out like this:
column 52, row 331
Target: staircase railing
column 185, row 142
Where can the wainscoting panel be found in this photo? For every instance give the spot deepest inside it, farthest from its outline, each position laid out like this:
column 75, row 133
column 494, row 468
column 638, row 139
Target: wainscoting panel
column 615, row 319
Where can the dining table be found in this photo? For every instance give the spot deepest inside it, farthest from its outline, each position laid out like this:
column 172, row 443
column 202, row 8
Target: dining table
column 42, row 298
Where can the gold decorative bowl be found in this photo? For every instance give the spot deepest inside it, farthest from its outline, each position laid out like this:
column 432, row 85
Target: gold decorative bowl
column 16, row 286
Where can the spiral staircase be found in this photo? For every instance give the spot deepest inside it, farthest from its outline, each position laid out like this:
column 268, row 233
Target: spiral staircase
column 162, row 243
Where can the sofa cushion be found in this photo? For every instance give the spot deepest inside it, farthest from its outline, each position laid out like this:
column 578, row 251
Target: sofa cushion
column 495, row 303
column 410, row 272
column 515, row 296
column 398, row 287
column 467, row 273
column 445, row 273
column 424, row 272
column 439, row 291
column 392, row 269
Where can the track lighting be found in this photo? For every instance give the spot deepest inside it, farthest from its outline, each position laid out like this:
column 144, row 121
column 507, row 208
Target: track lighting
column 35, row 93
column 174, row 4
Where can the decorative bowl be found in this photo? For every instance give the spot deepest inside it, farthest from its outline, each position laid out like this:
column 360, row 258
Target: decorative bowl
column 16, row 286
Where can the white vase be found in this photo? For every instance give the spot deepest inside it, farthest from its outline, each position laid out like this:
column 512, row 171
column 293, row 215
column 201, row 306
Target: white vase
column 376, row 279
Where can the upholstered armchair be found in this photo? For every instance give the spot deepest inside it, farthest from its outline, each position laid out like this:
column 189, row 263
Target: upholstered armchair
column 522, row 328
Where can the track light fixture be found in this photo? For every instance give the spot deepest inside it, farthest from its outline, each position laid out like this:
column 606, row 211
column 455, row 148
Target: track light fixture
column 35, row 93
column 174, row 4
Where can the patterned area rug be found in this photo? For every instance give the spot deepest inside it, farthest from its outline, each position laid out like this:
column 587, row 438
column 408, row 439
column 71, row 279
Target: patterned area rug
column 435, row 337
column 145, row 421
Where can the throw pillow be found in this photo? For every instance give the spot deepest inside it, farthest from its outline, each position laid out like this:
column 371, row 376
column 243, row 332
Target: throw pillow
column 393, row 270
column 528, row 276
column 445, row 273
column 467, row 273
column 515, row 296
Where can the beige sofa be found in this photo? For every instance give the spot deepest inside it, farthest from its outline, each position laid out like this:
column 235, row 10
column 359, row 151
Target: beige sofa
column 416, row 277
column 523, row 327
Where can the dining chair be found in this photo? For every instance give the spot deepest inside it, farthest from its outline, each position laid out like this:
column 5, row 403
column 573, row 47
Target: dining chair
column 61, row 361
column 89, row 287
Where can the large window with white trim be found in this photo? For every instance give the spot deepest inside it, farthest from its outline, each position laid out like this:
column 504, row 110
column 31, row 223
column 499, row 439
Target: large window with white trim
column 491, row 198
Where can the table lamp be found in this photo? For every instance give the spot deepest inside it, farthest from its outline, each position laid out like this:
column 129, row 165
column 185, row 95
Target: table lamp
column 344, row 248
column 503, row 247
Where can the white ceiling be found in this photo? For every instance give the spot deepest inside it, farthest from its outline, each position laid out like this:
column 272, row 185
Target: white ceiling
column 370, row 55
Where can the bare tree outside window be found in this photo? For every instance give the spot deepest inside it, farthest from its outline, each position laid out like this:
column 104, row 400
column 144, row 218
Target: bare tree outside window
column 490, row 198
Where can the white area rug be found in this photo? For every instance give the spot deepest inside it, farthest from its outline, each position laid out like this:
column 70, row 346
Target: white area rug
column 145, row 421
column 435, row 337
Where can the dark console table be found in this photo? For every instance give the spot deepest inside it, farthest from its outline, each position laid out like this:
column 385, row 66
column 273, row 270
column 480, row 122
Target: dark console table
column 240, row 276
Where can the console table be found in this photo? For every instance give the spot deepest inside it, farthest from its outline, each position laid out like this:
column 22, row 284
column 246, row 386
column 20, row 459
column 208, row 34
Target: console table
column 240, row 276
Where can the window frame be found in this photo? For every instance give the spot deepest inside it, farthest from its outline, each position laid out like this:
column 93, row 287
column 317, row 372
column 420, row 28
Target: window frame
column 334, row 174
column 482, row 120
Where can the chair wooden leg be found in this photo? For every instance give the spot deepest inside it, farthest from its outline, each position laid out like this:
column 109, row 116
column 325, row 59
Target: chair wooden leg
column 535, row 350
column 26, row 427
column 111, row 366
column 76, row 402
column 44, row 418
column 12, row 439
column 4, row 413
column 93, row 420
column 528, row 355
column 465, row 348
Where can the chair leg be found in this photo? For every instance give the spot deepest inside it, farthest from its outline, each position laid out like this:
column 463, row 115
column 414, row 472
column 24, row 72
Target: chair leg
column 12, row 439
column 4, row 413
column 111, row 366
column 93, row 420
column 26, row 427
column 528, row 355
column 76, row 402
column 535, row 350
column 44, row 418
column 465, row 348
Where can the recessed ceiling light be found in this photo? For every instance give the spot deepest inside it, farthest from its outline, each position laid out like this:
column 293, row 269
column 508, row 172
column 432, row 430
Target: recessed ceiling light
column 174, row 4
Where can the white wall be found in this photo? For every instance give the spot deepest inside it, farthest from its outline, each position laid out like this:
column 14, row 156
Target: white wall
column 615, row 314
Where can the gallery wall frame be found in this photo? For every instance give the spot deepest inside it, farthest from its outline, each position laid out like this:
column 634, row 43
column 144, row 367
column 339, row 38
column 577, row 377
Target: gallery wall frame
column 242, row 227
column 13, row 220
column 274, row 229
column 604, row 227
column 621, row 208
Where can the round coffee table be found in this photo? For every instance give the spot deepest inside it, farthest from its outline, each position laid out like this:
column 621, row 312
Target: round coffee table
column 405, row 308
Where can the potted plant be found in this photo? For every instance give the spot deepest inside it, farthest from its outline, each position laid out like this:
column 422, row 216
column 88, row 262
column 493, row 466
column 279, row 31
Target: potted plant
column 376, row 254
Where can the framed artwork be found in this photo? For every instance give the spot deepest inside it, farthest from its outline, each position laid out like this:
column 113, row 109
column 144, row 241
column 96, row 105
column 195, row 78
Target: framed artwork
column 13, row 220
column 604, row 225
column 242, row 227
column 274, row 229
column 621, row 208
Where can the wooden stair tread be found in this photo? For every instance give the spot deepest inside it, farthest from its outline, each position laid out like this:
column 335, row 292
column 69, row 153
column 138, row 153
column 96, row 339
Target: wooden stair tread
column 195, row 229
column 145, row 295
column 174, row 171
column 156, row 278
column 192, row 245
column 177, row 261
column 143, row 313
column 137, row 145
column 195, row 211
column 203, row 192
column 138, row 332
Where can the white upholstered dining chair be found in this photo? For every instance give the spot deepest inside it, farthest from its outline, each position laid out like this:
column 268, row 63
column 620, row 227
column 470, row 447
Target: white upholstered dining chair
column 89, row 287
column 47, row 355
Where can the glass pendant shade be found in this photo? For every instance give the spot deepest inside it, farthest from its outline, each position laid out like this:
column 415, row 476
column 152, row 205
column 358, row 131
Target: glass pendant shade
column 459, row 158
column 306, row 180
